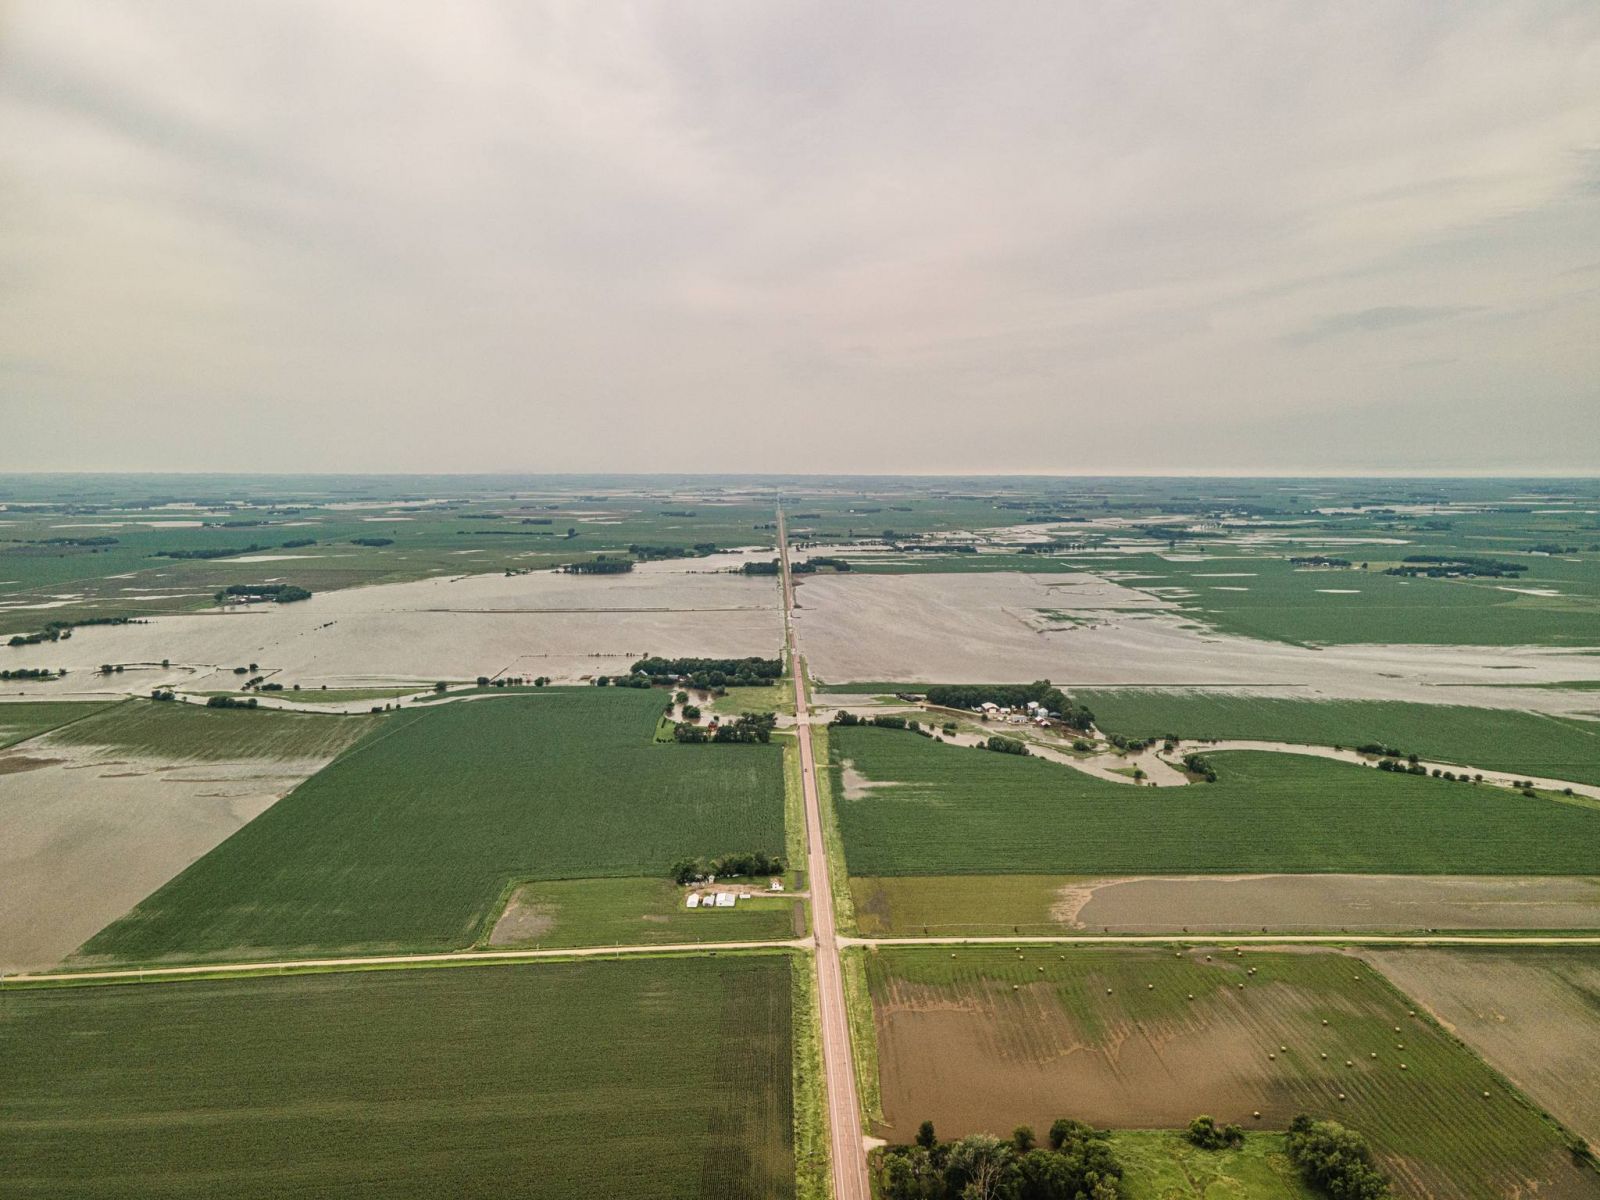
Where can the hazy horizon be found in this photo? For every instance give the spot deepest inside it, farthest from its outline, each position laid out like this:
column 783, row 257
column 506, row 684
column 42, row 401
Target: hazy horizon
column 1239, row 239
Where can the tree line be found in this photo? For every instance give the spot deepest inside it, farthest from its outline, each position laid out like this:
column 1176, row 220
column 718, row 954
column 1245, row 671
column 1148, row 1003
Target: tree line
column 647, row 553
column 1013, row 695
column 716, row 672
column 599, row 565
column 57, row 631
column 1076, row 1163
column 748, row 728
column 754, row 862
column 278, row 593
column 1436, row 566
column 77, row 542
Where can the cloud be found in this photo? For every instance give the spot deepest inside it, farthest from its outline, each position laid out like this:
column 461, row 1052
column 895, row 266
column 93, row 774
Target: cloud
column 393, row 235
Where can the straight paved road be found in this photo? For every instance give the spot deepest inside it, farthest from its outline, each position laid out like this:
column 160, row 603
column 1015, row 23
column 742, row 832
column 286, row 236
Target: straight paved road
column 847, row 1147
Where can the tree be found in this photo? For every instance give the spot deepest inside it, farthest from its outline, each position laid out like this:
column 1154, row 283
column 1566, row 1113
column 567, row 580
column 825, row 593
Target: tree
column 1335, row 1159
column 440, row 686
column 1022, row 1138
column 687, row 870
column 1208, row 1135
column 926, row 1138
column 978, row 1167
column 1064, row 1130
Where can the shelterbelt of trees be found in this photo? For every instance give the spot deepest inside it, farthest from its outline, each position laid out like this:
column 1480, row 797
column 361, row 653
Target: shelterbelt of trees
column 55, row 631
column 710, row 673
column 278, row 593
column 1013, row 695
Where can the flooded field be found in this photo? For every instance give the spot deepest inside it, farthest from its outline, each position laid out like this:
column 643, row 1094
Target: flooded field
column 567, row 627
column 91, row 831
column 1081, row 630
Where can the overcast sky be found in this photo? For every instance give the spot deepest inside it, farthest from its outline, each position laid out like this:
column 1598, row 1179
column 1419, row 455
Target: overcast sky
column 878, row 237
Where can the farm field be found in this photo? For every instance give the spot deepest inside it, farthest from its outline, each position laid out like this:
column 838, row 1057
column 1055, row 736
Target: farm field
column 23, row 719
column 1533, row 1013
column 1266, row 596
column 635, row 912
column 408, row 841
column 943, row 905
column 195, row 733
column 350, row 695
column 928, row 808
column 99, row 814
column 566, row 627
column 484, row 1081
column 1552, row 747
column 1164, row 1165
column 340, row 534
column 990, row 1039
column 1086, row 629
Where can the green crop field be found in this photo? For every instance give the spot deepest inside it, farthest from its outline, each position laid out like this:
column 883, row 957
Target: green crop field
column 636, row 912
column 175, row 730
column 1489, row 739
column 1285, row 603
column 963, row 811
column 668, row 1077
column 24, row 719
column 408, row 840
column 1162, row 1164
column 1142, row 1037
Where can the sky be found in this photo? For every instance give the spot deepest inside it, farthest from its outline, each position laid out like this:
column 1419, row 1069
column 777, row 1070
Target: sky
column 896, row 237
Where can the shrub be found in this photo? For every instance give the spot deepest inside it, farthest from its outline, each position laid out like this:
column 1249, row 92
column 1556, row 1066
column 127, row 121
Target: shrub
column 1208, row 1135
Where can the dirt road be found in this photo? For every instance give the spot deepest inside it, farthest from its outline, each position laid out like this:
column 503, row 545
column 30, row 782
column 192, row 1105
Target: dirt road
column 372, row 962
column 847, row 1147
